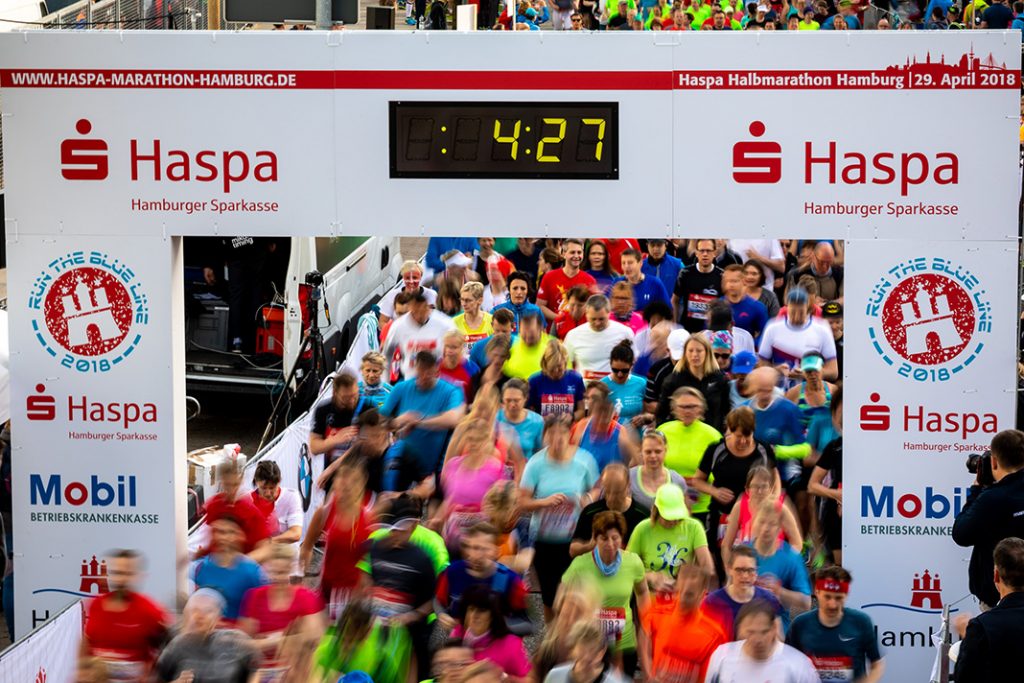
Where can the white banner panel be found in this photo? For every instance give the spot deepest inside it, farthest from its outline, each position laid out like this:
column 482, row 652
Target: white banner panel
column 50, row 655
column 929, row 380
column 93, row 414
column 265, row 133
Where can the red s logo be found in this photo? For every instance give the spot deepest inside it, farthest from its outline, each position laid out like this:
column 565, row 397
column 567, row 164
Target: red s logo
column 83, row 159
column 874, row 418
column 756, row 161
column 40, row 406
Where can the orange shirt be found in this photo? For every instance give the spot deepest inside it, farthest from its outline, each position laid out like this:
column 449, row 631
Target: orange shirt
column 681, row 644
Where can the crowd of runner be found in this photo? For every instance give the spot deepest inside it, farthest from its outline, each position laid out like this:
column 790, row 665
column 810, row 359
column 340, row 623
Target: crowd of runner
column 568, row 461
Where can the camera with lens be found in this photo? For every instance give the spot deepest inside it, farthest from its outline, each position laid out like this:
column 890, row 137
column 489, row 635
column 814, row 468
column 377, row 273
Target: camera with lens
column 980, row 465
column 314, row 278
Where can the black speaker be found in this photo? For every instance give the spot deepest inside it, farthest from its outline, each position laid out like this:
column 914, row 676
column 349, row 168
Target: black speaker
column 380, row 18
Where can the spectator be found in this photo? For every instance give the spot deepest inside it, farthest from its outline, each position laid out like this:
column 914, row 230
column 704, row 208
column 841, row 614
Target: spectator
column 417, row 331
column 758, row 289
column 574, row 312
column 759, row 488
column 832, row 312
column 998, row 16
column 412, row 275
column 556, row 389
column 669, row 540
column 725, row 603
column 659, row 264
column 588, row 344
column 780, row 569
column 747, row 313
column 485, row 631
column 839, row 640
column 527, row 425
column 282, row 508
column 786, row 341
column 696, row 287
column 601, row 434
column 226, row 569
column 473, row 322
column 518, row 303
column 124, row 628
column 807, row 22
column 688, row 437
column 990, row 513
column 823, row 269
column 424, row 409
column 576, row 21
column 682, row 635
column 617, row 497
column 622, row 307
column 760, row 655
column 527, row 350
column 626, row 390
column 555, row 283
column 597, row 266
column 554, row 482
column 990, row 648
column 651, row 474
column 847, row 17
column 618, row 576
column 202, row 651
column 645, row 290
column 697, row 369
column 589, row 654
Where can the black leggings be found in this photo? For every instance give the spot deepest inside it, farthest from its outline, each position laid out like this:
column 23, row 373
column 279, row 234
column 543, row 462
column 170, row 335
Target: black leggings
column 550, row 560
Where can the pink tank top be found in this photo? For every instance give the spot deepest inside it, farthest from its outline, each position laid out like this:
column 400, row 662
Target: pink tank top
column 745, row 531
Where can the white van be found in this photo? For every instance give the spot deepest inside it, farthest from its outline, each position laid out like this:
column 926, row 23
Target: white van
column 21, row 10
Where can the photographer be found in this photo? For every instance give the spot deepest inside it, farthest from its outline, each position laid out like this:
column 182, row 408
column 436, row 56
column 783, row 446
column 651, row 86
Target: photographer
column 994, row 510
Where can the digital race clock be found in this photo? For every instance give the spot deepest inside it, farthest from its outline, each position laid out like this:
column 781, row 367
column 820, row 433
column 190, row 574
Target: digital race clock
column 570, row 140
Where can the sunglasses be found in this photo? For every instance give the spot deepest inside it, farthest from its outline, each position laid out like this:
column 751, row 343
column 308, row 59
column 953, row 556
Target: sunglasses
column 620, row 371
column 723, row 356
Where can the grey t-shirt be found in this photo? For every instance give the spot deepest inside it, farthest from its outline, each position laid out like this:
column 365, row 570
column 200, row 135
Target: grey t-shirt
column 560, row 674
column 226, row 656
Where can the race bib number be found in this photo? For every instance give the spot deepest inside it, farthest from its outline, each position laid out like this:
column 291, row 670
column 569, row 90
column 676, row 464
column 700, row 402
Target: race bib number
column 271, row 674
column 457, row 524
column 613, row 621
column 558, row 523
column 833, row 669
column 697, row 306
column 591, row 375
column 677, row 670
column 557, row 404
column 388, row 603
column 122, row 669
column 340, row 597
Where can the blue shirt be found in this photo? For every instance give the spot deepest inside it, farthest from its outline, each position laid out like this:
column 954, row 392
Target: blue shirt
column 545, row 477
column 630, row 395
column 437, row 247
column 778, row 424
column 376, row 394
column 787, row 566
column 604, row 282
column 231, row 582
column 667, row 271
column 530, row 431
column 750, row 314
column 427, row 444
column 724, row 608
column 851, row 643
column 852, row 23
column 519, row 311
column 647, row 290
column 821, row 431
column 550, row 396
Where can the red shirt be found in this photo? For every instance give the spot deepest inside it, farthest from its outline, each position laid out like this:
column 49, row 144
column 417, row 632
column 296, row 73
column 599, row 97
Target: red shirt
column 345, row 547
column 254, row 522
column 460, row 377
column 681, row 645
column 128, row 636
column 556, row 283
column 256, row 606
column 615, row 248
column 564, row 323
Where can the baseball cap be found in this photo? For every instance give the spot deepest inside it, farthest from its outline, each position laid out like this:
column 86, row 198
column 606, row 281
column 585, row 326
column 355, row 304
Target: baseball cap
column 762, row 8
column 721, row 340
column 833, row 309
column 812, row 364
column 676, row 342
column 671, row 502
column 405, row 511
column 797, row 295
column 743, row 363
column 458, row 260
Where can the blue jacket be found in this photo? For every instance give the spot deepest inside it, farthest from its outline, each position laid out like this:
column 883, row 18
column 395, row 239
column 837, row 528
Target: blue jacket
column 438, row 246
column 667, row 271
column 518, row 311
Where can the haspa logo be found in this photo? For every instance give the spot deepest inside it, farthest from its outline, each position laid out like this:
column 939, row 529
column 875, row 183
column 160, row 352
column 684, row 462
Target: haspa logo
column 88, row 310
column 877, row 417
column 83, row 159
column 43, row 407
column 52, row 491
column 929, row 318
column 760, row 161
column 87, row 159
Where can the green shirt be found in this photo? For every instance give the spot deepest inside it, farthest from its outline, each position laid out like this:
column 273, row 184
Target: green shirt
column 686, row 446
column 524, row 360
column 616, row 590
column 665, row 550
column 384, row 655
column 423, row 538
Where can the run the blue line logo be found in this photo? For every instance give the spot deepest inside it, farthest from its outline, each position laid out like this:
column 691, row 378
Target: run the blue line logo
column 92, row 581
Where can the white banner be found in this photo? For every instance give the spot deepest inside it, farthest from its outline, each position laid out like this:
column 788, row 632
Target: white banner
column 929, row 380
column 50, row 655
column 93, row 415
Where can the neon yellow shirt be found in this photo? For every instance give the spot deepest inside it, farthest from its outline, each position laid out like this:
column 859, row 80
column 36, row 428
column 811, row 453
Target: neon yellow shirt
column 813, row 26
column 686, row 446
column 524, row 360
column 474, row 335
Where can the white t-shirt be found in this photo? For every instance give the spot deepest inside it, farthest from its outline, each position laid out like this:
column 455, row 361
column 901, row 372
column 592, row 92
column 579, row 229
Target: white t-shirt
column 783, row 343
column 770, row 249
column 785, row 665
column 387, row 302
column 491, row 300
column 590, row 351
column 288, row 513
column 642, row 341
column 741, row 340
column 409, row 338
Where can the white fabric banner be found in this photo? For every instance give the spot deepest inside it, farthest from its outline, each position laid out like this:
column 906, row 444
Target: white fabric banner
column 50, row 655
column 929, row 379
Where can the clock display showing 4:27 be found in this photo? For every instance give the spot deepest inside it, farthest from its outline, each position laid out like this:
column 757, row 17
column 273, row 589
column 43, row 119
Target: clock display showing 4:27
column 558, row 140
